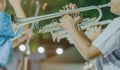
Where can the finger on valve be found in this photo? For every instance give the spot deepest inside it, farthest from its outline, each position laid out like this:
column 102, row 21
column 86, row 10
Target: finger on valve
column 54, row 36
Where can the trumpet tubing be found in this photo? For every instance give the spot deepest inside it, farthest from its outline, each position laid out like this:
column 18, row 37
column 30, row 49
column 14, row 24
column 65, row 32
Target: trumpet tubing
column 25, row 21
column 95, row 23
column 53, row 27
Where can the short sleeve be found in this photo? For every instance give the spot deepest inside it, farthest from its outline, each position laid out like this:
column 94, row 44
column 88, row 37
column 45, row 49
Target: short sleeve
column 110, row 44
column 6, row 28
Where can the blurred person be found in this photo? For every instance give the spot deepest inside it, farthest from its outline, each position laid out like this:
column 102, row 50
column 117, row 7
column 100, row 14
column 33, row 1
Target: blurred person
column 7, row 32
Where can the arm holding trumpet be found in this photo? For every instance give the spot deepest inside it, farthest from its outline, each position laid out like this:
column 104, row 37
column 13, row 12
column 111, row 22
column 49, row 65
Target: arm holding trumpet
column 81, row 41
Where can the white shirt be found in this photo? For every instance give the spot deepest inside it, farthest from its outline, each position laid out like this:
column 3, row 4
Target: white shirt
column 110, row 50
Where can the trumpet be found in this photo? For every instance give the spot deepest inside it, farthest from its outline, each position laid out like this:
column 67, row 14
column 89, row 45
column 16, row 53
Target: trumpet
column 25, row 21
column 84, row 25
column 59, row 33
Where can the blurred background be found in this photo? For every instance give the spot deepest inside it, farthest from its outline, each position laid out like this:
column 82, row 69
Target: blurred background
column 45, row 54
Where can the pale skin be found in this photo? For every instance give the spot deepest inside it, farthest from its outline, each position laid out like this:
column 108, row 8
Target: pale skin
column 2, row 5
column 81, row 41
column 16, row 4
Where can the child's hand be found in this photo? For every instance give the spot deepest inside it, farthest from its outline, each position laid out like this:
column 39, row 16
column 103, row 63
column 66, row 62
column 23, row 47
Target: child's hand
column 68, row 21
column 93, row 32
column 74, row 15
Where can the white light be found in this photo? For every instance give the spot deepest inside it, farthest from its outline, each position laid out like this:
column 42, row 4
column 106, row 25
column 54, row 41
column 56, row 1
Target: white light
column 22, row 47
column 59, row 51
column 28, row 52
column 41, row 50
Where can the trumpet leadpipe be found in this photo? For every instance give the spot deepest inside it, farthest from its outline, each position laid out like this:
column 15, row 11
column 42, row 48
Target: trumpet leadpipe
column 24, row 21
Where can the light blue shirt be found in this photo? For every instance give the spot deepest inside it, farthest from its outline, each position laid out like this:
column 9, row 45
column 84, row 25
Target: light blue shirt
column 6, row 35
column 111, row 51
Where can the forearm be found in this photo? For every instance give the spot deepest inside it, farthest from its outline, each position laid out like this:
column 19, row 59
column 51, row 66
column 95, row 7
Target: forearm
column 19, row 11
column 79, row 39
column 20, row 40
column 20, row 14
column 83, row 45
column 84, row 36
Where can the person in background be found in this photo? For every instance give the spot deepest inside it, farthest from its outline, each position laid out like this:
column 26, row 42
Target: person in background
column 16, row 5
column 7, row 33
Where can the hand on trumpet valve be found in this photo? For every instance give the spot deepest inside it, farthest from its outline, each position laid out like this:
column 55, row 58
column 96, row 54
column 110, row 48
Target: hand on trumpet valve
column 93, row 32
column 71, row 6
column 68, row 21
column 54, row 36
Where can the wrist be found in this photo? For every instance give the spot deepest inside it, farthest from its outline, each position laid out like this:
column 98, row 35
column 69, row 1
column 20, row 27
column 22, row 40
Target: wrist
column 72, row 28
